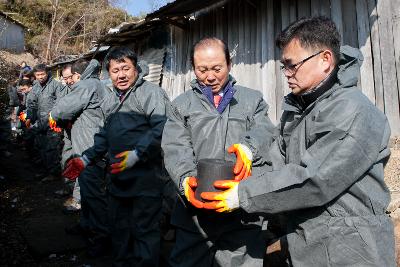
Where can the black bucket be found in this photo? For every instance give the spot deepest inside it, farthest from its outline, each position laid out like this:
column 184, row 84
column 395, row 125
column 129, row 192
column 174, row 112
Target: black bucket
column 211, row 170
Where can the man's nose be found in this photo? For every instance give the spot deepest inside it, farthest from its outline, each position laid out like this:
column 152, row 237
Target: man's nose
column 210, row 77
column 287, row 73
column 121, row 75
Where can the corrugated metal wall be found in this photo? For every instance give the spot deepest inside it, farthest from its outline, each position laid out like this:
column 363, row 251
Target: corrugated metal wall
column 11, row 36
column 250, row 27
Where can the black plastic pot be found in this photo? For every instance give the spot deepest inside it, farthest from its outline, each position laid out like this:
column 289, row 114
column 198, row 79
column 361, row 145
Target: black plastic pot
column 211, row 170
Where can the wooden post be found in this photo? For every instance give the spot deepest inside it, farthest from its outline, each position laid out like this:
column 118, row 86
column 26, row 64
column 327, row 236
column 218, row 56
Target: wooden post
column 396, row 36
column 336, row 15
column 391, row 94
column 364, row 42
column 349, row 23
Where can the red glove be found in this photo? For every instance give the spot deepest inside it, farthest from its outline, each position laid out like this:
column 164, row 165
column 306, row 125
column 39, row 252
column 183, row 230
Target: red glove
column 74, row 168
column 189, row 185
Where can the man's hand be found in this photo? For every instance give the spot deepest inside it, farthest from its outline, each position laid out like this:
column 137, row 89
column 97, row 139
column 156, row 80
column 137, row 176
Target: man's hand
column 74, row 167
column 244, row 159
column 53, row 125
column 225, row 201
column 28, row 123
column 129, row 158
column 189, row 186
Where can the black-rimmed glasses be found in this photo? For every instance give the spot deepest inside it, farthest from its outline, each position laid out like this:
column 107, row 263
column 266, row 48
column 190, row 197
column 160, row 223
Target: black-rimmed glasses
column 292, row 68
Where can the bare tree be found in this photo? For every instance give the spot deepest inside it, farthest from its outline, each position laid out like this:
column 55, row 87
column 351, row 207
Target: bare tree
column 55, row 5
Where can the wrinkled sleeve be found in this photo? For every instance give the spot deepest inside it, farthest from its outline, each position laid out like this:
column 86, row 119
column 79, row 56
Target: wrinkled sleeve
column 67, row 151
column 260, row 135
column 155, row 106
column 61, row 91
column 100, row 146
column 71, row 105
column 334, row 162
column 177, row 146
column 13, row 96
column 31, row 105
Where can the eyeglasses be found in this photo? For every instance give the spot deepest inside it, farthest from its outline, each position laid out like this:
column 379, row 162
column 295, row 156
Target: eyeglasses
column 292, row 68
column 68, row 77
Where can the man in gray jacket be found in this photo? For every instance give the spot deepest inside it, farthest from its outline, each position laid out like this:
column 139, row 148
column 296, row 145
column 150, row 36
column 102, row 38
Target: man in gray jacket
column 134, row 118
column 44, row 95
column 328, row 159
column 206, row 121
column 81, row 108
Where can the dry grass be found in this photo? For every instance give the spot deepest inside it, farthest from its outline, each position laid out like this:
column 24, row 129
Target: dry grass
column 15, row 59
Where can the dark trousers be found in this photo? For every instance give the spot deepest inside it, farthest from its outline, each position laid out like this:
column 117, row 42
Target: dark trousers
column 49, row 144
column 94, row 201
column 135, row 230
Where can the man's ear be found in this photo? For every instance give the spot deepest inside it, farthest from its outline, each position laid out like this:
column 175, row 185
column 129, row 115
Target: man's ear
column 328, row 59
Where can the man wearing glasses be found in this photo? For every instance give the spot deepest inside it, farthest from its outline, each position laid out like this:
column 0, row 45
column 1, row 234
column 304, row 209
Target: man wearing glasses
column 327, row 160
column 67, row 75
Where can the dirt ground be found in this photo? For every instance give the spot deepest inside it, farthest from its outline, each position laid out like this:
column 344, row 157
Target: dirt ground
column 31, row 216
column 32, row 224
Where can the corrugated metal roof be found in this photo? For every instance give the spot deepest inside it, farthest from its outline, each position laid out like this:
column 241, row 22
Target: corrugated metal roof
column 129, row 31
column 181, row 8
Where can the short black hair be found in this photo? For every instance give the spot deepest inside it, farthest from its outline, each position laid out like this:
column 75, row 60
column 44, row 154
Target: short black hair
column 119, row 53
column 27, row 73
column 39, row 67
column 25, row 82
column 208, row 41
column 66, row 66
column 315, row 32
column 79, row 66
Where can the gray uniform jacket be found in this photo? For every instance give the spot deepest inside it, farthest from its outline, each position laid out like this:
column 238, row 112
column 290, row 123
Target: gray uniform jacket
column 43, row 99
column 31, row 104
column 82, row 107
column 195, row 130
column 328, row 176
column 135, row 122
column 13, row 96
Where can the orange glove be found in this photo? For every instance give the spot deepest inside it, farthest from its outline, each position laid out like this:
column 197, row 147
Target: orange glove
column 22, row 116
column 244, row 159
column 129, row 158
column 53, row 125
column 74, row 167
column 189, row 186
column 225, row 201
column 28, row 123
